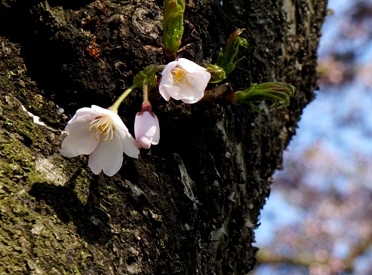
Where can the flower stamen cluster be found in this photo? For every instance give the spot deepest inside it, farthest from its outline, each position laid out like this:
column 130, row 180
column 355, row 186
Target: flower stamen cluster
column 103, row 125
column 181, row 76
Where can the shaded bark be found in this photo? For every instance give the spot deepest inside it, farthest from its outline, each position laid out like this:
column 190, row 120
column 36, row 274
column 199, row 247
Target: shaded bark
column 188, row 205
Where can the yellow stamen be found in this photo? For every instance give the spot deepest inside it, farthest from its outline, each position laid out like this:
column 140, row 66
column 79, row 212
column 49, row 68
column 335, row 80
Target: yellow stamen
column 103, row 125
column 180, row 76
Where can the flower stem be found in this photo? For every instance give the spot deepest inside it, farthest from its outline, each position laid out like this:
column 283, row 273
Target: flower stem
column 145, row 92
column 117, row 103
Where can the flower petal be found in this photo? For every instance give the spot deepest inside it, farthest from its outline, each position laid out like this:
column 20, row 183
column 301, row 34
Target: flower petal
column 189, row 94
column 156, row 136
column 102, row 111
column 83, row 114
column 107, row 157
column 167, row 80
column 144, row 142
column 200, row 80
column 79, row 140
column 131, row 147
column 167, row 71
column 168, row 91
column 164, row 93
column 127, row 143
column 190, row 66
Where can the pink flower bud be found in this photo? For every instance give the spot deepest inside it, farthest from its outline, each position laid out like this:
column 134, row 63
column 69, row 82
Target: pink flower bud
column 146, row 127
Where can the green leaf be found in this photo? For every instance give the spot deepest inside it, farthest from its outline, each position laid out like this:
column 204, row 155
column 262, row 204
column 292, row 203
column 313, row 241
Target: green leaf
column 147, row 76
column 172, row 25
column 228, row 59
column 279, row 93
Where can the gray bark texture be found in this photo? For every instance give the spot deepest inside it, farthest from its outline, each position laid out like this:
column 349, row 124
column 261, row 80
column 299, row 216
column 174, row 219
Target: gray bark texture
column 190, row 204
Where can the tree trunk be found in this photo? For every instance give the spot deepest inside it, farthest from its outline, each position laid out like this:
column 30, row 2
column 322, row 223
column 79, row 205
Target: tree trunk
column 187, row 206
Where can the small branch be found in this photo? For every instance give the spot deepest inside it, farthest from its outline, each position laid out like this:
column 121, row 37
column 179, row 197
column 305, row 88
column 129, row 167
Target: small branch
column 264, row 256
column 356, row 252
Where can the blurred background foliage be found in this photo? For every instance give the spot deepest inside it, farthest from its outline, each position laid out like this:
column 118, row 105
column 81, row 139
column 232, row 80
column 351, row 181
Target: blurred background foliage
column 318, row 218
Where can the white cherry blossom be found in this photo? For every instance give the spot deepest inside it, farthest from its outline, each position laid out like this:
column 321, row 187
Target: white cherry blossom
column 146, row 127
column 101, row 134
column 184, row 80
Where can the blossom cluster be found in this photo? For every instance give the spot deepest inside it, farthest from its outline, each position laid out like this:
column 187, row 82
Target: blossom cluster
column 101, row 134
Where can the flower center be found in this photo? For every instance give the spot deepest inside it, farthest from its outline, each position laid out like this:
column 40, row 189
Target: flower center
column 103, row 125
column 180, row 76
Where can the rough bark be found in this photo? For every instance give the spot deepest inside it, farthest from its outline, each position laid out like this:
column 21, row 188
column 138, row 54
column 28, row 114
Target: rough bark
column 188, row 205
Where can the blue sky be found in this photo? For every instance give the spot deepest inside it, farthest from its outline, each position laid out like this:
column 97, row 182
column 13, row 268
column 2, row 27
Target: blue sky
column 340, row 120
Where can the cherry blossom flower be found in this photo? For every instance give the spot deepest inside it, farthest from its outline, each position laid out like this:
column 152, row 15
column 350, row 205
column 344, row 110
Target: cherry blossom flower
column 101, row 134
column 184, row 80
column 146, row 127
